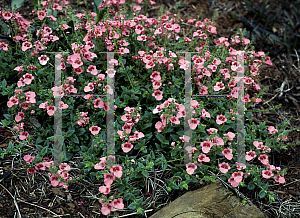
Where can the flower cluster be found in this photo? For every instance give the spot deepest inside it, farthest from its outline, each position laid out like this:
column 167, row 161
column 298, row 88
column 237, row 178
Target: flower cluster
column 212, row 72
column 60, row 177
column 132, row 114
column 115, row 171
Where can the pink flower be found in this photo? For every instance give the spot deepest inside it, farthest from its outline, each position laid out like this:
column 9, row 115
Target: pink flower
column 65, row 26
column 106, row 208
column 40, row 166
column 28, row 158
column 193, row 123
column 62, row 105
column 267, row 174
column 279, row 179
column 173, row 144
column 110, row 72
column 233, row 182
column 240, row 166
column 250, row 155
column 238, row 176
column 54, row 180
column 12, row 101
column 224, row 167
column 43, row 59
column 219, row 86
column 57, row 7
column 190, row 168
column 95, row 130
column 92, row 69
column 206, row 146
column 221, row 119
column 6, row 15
column 258, row 145
column 152, row 3
column 158, row 95
column 52, row 18
column 41, row 15
column 118, row 203
column 3, row 46
column 31, row 171
column 126, row 147
column 23, row 135
column 227, row 152
column 264, row 159
column 230, row 136
column 28, row 78
column 185, row 138
column 245, row 41
column 272, row 130
column 51, row 110
column 203, row 158
column 49, row 163
column 20, row 116
column 109, row 179
column 116, row 170
column 100, row 165
column 212, row 131
column 26, row 46
column 80, row 15
column 19, row 68
column 64, row 166
column 104, row 189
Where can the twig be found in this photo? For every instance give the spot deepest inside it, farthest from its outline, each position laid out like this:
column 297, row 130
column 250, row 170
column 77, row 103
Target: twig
column 81, row 214
column 40, row 207
column 135, row 213
column 14, row 200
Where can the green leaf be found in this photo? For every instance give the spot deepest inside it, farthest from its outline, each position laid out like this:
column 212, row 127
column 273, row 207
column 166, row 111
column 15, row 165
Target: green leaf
column 129, row 196
column 8, row 116
column 101, row 14
column 97, row 3
column 5, row 28
column 251, row 186
column 262, row 194
column 289, row 18
column 15, row 4
column 39, row 147
column 140, row 211
column 70, row 133
column 39, row 140
column 4, row 83
column 160, row 137
column 265, row 186
column 132, row 206
column 80, row 131
column 139, row 201
column 44, row 151
column 276, row 38
column 145, row 173
column 173, row 186
column 74, row 139
column 51, row 12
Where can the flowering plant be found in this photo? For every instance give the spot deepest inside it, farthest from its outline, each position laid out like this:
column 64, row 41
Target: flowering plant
column 150, row 61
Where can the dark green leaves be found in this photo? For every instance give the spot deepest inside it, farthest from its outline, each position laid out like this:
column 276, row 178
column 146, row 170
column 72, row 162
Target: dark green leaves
column 100, row 12
column 15, row 4
column 5, row 28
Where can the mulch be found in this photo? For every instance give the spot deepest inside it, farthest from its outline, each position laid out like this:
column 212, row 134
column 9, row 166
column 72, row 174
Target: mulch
column 33, row 195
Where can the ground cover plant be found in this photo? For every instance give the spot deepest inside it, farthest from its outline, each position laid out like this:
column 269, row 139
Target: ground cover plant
column 149, row 76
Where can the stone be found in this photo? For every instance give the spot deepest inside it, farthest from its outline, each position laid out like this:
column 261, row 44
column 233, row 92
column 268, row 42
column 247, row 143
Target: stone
column 212, row 200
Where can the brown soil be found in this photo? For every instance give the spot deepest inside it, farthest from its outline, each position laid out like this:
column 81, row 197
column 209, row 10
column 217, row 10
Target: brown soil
column 35, row 197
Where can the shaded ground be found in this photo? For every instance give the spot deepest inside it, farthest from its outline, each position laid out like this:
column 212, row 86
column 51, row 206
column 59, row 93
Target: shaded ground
column 35, row 197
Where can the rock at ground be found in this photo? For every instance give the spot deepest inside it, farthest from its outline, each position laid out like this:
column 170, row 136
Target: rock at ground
column 212, row 200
